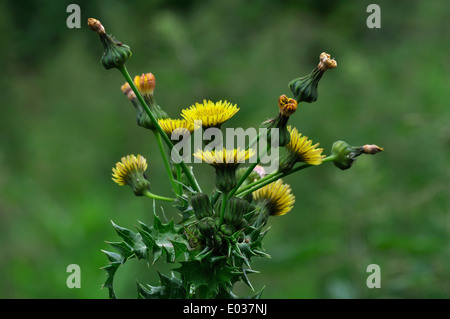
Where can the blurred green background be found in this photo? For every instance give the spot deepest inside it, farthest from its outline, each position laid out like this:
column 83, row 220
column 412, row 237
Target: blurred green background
column 65, row 123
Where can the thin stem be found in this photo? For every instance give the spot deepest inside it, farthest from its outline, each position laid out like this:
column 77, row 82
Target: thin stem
column 175, row 185
column 251, row 167
column 222, row 208
column 274, row 176
column 154, row 196
column 186, row 170
column 256, row 182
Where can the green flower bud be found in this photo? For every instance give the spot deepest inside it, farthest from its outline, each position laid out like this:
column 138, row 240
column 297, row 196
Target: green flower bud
column 226, row 230
column 115, row 53
column 201, row 205
column 207, row 227
column 305, row 88
column 236, row 208
column 345, row 155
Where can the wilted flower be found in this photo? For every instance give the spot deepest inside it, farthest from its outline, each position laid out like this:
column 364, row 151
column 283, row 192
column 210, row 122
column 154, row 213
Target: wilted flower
column 115, row 53
column 305, row 88
column 287, row 107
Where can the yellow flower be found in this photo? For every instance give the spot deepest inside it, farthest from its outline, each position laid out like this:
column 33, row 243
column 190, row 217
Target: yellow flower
column 130, row 171
column 276, row 198
column 225, row 163
column 209, row 113
column 301, row 150
column 170, row 126
column 224, row 157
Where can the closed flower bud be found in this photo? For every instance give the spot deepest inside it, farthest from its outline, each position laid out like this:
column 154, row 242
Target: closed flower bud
column 115, row 53
column 126, row 89
column 207, row 227
column 201, row 205
column 145, row 83
column 236, row 208
column 305, row 88
column 371, row 149
column 345, row 155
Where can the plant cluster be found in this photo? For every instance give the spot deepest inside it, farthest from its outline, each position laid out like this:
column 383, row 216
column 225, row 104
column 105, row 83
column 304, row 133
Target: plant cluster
column 219, row 234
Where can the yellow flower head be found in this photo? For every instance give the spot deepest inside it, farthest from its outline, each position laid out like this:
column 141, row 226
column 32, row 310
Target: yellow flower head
column 127, row 167
column 225, row 163
column 224, row 157
column 275, row 197
column 145, row 83
column 301, row 150
column 170, row 126
column 209, row 113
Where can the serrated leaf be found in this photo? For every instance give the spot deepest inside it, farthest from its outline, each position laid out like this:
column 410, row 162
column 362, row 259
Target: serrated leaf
column 208, row 276
column 113, row 257
column 170, row 288
column 147, row 238
column 123, row 248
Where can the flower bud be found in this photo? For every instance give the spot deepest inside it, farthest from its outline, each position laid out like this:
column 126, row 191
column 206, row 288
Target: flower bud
column 201, row 205
column 305, row 88
column 207, row 226
column 371, row 149
column 145, row 83
column 115, row 53
column 142, row 118
column 345, row 155
column 128, row 91
column 236, row 208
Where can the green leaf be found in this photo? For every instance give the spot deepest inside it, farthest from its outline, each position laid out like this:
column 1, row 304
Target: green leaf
column 207, row 277
column 166, row 238
column 170, row 288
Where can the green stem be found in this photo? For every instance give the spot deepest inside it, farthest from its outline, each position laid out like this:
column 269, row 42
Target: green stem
column 223, row 207
column 274, row 176
column 251, row 167
column 256, row 183
column 187, row 172
column 154, row 196
column 175, row 185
